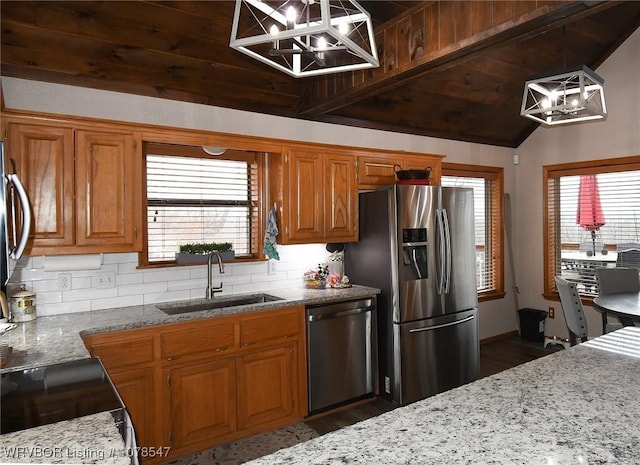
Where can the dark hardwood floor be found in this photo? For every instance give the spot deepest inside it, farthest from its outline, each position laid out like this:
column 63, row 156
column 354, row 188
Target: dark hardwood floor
column 495, row 357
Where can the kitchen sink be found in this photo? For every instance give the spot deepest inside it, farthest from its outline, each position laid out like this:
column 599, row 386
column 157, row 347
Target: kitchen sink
column 222, row 302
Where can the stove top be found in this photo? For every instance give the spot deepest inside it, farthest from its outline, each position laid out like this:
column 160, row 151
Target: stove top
column 52, row 393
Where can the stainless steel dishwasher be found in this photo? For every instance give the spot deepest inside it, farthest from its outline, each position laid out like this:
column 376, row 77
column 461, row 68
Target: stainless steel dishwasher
column 342, row 352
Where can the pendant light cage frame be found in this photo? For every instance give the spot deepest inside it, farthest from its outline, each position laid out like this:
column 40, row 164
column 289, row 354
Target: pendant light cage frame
column 569, row 96
column 305, row 37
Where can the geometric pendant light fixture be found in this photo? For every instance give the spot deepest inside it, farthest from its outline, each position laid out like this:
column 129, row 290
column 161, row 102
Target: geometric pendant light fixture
column 567, row 97
column 305, row 37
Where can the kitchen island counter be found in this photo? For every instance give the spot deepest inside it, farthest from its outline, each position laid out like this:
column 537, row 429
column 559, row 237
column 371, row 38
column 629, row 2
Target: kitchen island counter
column 576, row 406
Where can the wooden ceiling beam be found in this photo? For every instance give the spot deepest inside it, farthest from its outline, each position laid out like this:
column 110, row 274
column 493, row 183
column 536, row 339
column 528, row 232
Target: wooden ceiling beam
column 436, row 36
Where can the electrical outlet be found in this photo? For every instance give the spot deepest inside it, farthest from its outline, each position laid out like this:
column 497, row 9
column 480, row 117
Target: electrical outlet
column 272, row 267
column 64, row 281
column 552, row 312
column 105, row 280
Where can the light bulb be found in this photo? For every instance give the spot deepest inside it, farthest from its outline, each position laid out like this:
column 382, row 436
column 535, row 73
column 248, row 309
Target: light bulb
column 343, row 28
column 291, row 15
column 274, row 30
column 546, row 103
column 575, row 102
column 322, row 43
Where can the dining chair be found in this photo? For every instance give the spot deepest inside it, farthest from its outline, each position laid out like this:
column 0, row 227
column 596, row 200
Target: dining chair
column 615, row 280
column 573, row 311
column 628, row 255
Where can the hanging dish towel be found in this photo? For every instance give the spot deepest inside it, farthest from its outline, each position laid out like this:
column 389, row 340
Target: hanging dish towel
column 270, row 233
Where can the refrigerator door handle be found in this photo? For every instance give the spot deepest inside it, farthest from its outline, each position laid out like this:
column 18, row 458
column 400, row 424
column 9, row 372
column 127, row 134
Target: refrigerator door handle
column 16, row 253
column 444, row 325
column 447, row 247
column 440, row 256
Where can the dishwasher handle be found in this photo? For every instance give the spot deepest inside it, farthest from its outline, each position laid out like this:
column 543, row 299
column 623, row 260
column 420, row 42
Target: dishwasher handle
column 339, row 314
column 444, row 325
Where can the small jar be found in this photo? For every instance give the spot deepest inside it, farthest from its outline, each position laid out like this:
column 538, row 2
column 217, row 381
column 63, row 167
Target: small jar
column 23, row 305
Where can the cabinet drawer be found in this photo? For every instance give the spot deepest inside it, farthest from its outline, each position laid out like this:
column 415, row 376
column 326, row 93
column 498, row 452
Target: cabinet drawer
column 214, row 338
column 255, row 330
column 124, row 353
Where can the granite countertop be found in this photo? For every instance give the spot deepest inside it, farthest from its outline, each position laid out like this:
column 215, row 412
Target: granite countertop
column 54, row 339
column 89, row 439
column 576, row 406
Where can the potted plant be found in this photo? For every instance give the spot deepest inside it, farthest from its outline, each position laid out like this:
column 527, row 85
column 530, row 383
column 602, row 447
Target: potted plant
column 198, row 252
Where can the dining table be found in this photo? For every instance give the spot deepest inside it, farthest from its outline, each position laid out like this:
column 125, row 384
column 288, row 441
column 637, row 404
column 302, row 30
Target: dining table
column 624, row 305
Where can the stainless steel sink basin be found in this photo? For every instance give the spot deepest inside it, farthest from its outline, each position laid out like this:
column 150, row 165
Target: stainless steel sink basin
column 222, row 302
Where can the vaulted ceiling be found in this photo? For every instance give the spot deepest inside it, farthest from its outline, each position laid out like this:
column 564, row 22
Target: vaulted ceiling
column 449, row 69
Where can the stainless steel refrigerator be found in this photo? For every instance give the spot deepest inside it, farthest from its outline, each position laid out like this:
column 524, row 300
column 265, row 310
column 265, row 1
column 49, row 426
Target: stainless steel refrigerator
column 417, row 245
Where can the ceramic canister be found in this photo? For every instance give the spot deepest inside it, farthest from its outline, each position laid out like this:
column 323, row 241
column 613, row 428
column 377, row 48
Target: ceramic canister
column 23, row 305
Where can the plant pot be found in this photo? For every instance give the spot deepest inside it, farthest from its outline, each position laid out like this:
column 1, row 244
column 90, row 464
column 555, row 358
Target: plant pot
column 183, row 258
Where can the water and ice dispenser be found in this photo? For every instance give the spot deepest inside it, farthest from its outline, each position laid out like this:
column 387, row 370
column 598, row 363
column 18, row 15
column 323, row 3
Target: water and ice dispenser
column 414, row 253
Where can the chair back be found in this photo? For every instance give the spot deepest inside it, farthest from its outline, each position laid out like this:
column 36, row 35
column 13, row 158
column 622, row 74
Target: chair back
column 628, row 255
column 573, row 310
column 614, row 280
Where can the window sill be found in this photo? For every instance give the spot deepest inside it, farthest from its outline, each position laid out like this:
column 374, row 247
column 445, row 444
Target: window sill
column 492, row 295
column 173, row 264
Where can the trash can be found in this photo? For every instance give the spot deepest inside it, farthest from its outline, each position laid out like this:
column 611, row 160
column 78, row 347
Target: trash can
column 532, row 324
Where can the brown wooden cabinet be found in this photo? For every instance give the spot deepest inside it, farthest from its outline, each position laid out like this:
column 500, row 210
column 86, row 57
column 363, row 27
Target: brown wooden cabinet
column 43, row 156
column 193, row 385
column 379, row 169
column 318, row 195
column 136, row 388
column 266, row 387
column 202, row 402
column 84, row 186
column 108, row 180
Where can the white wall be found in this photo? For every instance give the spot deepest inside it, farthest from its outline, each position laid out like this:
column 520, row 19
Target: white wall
column 618, row 136
column 496, row 317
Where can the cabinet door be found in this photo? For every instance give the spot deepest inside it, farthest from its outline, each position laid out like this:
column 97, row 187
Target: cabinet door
column 108, row 190
column 376, row 171
column 136, row 388
column 266, row 390
column 341, row 198
column 305, row 193
column 203, row 402
column 43, row 157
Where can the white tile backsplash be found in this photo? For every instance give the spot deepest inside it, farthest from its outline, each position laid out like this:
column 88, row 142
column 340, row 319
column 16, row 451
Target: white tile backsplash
column 135, row 286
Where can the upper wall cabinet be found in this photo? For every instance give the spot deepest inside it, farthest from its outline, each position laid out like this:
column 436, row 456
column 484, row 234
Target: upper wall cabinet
column 84, row 186
column 379, row 169
column 318, row 195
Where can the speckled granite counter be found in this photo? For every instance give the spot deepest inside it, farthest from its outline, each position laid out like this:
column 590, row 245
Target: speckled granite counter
column 54, row 339
column 577, row 406
column 89, row 439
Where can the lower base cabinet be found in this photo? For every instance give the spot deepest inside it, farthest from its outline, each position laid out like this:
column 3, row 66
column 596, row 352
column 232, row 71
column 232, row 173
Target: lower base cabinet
column 194, row 385
column 266, row 387
column 136, row 390
column 203, row 402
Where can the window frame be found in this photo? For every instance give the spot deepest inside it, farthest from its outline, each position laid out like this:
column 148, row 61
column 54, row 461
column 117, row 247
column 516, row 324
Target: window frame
column 494, row 174
column 557, row 171
column 169, row 149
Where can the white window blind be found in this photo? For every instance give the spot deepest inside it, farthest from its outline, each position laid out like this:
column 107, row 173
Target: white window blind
column 575, row 251
column 484, row 226
column 193, row 199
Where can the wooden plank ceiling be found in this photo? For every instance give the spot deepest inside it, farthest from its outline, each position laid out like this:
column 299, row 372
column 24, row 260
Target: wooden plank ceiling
column 454, row 70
